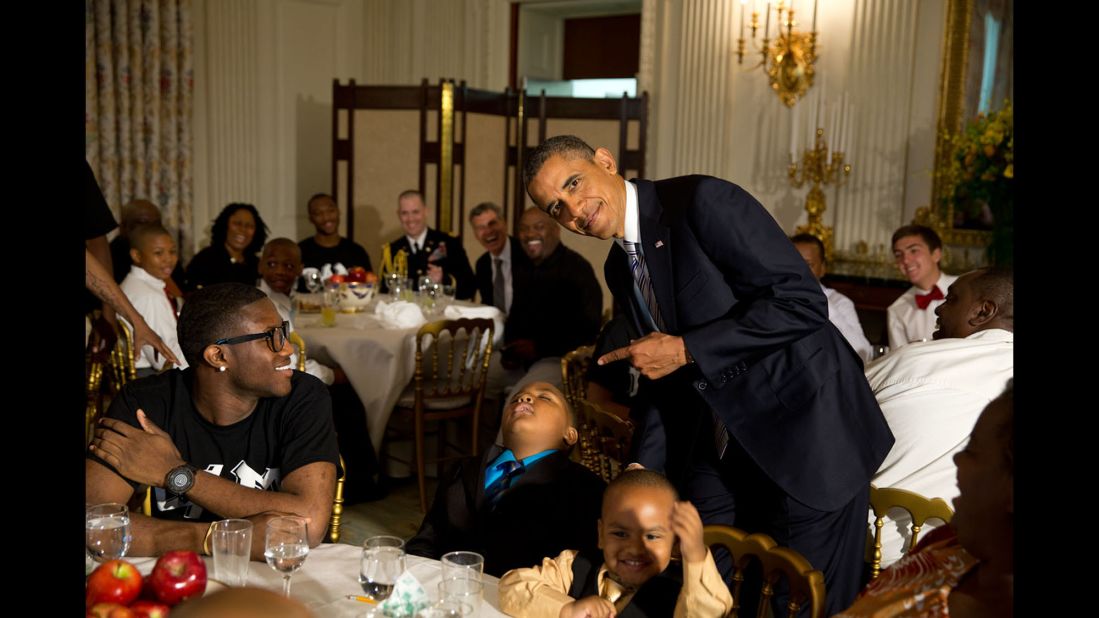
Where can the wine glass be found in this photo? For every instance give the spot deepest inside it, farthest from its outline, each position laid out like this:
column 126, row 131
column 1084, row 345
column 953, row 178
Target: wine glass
column 286, row 547
column 313, row 281
column 107, row 528
column 382, row 563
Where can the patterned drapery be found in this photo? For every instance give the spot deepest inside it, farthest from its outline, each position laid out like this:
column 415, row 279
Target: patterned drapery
column 138, row 106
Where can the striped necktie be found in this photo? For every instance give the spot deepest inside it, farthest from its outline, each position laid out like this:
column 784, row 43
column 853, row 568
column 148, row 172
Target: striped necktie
column 641, row 277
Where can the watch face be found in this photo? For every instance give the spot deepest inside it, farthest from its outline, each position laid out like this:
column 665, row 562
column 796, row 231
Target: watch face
column 180, row 481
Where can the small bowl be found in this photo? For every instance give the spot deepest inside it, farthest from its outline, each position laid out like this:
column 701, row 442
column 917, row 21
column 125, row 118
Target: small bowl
column 355, row 296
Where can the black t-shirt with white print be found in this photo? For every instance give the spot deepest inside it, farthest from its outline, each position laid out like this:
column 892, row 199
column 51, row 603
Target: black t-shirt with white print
column 281, row 435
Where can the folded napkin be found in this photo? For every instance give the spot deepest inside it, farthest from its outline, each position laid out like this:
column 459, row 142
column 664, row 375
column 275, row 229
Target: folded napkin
column 407, row 598
column 456, row 312
column 399, row 314
column 332, row 269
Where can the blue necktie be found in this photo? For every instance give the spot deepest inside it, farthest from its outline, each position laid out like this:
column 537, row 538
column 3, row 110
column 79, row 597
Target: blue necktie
column 644, row 284
column 511, row 469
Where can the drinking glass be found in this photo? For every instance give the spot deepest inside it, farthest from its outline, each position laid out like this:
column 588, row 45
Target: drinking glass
column 313, row 281
column 286, row 546
column 331, row 304
column 448, row 294
column 446, row 609
column 382, row 563
column 880, row 351
column 463, row 565
column 231, row 546
column 107, row 528
column 462, row 590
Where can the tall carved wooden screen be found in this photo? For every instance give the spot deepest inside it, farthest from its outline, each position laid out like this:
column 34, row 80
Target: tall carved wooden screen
column 461, row 146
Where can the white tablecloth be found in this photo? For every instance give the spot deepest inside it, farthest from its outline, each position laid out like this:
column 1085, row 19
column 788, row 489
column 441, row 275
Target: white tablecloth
column 332, row 571
column 379, row 362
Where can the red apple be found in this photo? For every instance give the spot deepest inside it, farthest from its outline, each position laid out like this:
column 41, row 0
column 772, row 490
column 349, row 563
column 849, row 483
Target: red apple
column 110, row 610
column 337, row 278
column 150, row 609
column 114, row 581
column 178, row 576
column 371, row 277
column 357, row 273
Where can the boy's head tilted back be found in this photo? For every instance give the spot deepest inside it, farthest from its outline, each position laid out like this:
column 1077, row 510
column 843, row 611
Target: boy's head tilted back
column 635, row 531
column 538, row 418
column 153, row 249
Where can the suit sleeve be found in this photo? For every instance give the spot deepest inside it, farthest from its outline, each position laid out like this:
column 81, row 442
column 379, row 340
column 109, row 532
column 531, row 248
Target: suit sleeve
column 778, row 299
column 458, row 265
column 427, row 541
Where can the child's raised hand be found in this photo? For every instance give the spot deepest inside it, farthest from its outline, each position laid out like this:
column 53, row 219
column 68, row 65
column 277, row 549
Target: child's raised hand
column 687, row 526
column 588, row 607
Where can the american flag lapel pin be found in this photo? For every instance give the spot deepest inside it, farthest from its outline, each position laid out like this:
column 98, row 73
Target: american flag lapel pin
column 659, row 244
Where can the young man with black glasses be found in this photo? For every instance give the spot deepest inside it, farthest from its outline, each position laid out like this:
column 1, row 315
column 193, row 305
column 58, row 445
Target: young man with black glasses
column 238, row 434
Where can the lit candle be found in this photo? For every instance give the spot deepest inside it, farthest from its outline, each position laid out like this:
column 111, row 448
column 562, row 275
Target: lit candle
column 794, row 134
column 834, row 128
column 742, row 3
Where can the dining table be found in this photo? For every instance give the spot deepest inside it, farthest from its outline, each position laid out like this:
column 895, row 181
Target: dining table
column 378, row 356
column 330, row 576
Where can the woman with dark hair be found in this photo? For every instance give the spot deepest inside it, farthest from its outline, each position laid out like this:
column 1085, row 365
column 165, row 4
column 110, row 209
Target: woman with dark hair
column 237, row 236
column 967, row 567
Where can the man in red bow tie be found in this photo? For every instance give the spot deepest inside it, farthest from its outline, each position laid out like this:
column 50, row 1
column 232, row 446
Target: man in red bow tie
column 917, row 251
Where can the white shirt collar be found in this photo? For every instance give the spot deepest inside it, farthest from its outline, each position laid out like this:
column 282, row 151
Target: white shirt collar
column 278, row 298
column 632, row 228
column 143, row 275
column 505, row 253
column 418, row 241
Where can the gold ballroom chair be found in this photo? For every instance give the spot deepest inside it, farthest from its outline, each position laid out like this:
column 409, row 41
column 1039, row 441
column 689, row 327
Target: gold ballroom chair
column 574, row 369
column 806, row 583
column 604, row 440
column 452, row 360
column 882, row 499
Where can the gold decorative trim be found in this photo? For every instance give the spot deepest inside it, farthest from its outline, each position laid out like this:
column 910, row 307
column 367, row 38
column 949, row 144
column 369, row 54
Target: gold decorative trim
column 446, row 158
column 940, row 216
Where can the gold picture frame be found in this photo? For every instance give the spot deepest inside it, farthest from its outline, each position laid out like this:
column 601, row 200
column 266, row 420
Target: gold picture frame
column 953, row 91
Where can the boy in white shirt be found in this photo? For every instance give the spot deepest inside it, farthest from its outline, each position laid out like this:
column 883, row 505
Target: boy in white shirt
column 154, row 256
column 917, row 251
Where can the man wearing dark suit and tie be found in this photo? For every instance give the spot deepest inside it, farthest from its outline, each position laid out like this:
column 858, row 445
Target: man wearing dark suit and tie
column 750, row 401
column 503, row 261
column 430, row 252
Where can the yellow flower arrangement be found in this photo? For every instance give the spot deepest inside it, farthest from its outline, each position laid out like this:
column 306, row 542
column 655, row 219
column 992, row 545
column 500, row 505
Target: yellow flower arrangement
column 982, row 169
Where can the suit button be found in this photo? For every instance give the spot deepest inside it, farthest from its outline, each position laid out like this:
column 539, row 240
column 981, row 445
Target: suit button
column 702, row 385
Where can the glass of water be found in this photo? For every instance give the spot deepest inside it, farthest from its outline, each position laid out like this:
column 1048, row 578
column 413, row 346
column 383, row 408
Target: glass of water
column 286, row 546
column 107, row 528
column 383, row 561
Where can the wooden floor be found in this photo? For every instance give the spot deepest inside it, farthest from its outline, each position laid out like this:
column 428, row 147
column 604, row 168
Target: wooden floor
column 397, row 514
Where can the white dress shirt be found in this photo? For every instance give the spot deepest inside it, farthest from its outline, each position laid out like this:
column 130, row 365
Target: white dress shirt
column 285, row 306
column 417, row 243
column 931, row 394
column 146, row 294
column 907, row 323
column 841, row 312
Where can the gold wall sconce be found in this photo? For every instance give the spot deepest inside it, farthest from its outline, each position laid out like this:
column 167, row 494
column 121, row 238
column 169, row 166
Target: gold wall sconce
column 789, row 57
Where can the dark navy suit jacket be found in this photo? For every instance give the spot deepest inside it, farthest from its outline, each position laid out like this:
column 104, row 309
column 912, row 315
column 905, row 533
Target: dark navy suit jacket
column 784, row 381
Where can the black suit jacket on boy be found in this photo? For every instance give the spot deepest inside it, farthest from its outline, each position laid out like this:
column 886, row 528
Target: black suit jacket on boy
column 553, row 506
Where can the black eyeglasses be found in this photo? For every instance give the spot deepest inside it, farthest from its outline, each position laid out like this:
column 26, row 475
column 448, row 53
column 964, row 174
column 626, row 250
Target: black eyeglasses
column 276, row 337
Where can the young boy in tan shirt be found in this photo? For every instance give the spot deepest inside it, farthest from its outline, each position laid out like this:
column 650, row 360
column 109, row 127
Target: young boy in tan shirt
column 635, row 576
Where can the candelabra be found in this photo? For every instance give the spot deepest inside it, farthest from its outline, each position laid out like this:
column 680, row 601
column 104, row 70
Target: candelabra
column 817, row 170
column 789, row 59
